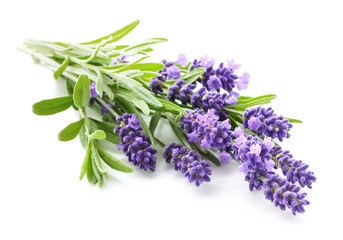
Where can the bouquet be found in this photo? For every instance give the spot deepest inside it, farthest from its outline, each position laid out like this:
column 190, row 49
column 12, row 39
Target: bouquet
column 214, row 124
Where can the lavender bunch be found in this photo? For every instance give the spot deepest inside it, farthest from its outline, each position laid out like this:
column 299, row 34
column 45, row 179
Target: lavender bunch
column 202, row 103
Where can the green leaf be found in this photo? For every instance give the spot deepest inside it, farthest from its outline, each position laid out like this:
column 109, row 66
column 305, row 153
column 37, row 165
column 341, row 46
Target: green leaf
column 61, row 69
column 52, row 106
column 292, row 120
column 98, row 134
column 246, row 102
column 113, row 162
column 144, row 45
column 130, row 66
column 172, row 106
column 127, row 107
column 98, row 166
column 107, row 128
column 154, row 121
column 86, row 162
column 101, row 87
column 153, row 67
column 117, row 34
column 90, row 173
column 71, row 131
column 179, row 134
column 146, row 96
column 83, row 137
column 193, row 75
column 81, row 94
column 206, row 154
column 70, row 84
column 141, row 105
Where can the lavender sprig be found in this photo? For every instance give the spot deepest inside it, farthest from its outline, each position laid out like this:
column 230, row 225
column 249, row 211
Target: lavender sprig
column 188, row 163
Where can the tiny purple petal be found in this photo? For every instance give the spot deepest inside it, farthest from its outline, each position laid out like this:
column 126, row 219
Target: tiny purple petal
column 238, row 132
column 254, row 123
column 268, row 143
column 93, row 92
column 255, row 149
column 182, row 61
column 173, row 72
column 214, row 83
column 232, row 65
column 225, row 157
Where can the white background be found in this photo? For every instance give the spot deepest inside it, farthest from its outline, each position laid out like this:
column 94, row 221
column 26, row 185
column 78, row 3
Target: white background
column 290, row 48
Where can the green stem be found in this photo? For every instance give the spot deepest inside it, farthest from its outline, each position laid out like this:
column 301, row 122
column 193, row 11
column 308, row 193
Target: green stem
column 86, row 120
column 103, row 103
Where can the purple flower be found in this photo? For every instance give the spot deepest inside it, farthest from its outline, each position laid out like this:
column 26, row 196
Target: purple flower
column 104, row 109
column 264, row 121
column 268, row 143
column 240, row 141
column 294, row 170
column 173, row 72
column 232, row 65
column 254, row 123
column 255, row 159
column 237, row 132
column 214, row 83
column 207, row 130
column 156, row 85
column 92, row 89
column 182, row 61
column 120, row 59
column 134, row 144
column 225, row 157
column 188, row 163
column 244, row 81
column 284, row 195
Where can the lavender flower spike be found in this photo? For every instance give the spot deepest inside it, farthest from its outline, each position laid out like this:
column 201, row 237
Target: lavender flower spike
column 264, row 121
column 188, row 163
column 284, row 195
column 134, row 144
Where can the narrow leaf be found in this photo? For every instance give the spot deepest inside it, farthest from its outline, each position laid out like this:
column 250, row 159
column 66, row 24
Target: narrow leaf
column 113, row 162
column 154, row 121
column 71, row 131
column 117, row 34
column 81, row 94
column 292, row 120
column 193, row 75
column 61, row 69
column 52, row 106
column 86, row 162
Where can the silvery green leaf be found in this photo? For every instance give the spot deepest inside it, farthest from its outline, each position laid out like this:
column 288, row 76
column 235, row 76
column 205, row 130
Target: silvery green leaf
column 81, row 93
column 52, row 106
column 71, row 131
column 193, row 75
column 61, row 69
column 113, row 162
column 98, row 134
column 292, row 120
column 107, row 128
column 154, row 121
column 86, row 162
column 144, row 45
column 117, row 34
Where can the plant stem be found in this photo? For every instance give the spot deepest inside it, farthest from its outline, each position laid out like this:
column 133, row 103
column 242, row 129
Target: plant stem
column 107, row 107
